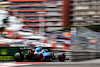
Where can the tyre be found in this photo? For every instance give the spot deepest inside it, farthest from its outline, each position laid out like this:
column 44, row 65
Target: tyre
column 18, row 57
column 61, row 57
column 39, row 56
column 53, row 56
column 30, row 56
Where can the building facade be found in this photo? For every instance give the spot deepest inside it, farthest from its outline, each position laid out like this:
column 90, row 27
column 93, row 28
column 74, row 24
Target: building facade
column 84, row 12
column 4, row 4
column 48, row 14
column 56, row 14
column 32, row 11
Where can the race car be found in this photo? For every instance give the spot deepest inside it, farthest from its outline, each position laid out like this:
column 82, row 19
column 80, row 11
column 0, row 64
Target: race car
column 38, row 54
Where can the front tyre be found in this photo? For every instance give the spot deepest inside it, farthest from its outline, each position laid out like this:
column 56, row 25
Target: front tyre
column 61, row 57
column 39, row 56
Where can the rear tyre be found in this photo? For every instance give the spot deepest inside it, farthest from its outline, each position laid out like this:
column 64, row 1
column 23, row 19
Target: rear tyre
column 61, row 57
column 18, row 57
column 39, row 56
column 28, row 57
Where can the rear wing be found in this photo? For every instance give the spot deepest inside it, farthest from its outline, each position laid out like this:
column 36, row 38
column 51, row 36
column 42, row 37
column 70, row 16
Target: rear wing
column 20, row 49
column 24, row 48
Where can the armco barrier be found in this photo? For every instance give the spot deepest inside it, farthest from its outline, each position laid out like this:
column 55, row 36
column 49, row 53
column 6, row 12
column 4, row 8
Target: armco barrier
column 79, row 55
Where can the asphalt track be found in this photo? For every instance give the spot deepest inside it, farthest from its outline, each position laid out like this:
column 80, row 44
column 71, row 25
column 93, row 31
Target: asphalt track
column 65, row 65
column 89, row 63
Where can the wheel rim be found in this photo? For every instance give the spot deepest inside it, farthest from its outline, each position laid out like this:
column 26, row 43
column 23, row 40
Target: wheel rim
column 63, row 57
column 41, row 57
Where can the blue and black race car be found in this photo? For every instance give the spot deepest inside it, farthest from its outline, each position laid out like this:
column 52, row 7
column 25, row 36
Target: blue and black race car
column 38, row 54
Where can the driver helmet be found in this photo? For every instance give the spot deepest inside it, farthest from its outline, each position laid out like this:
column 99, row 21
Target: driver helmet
column 32, row 50
column 40, row 48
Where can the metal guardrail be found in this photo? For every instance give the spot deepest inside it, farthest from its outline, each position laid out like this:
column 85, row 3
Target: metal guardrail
column 79, row 55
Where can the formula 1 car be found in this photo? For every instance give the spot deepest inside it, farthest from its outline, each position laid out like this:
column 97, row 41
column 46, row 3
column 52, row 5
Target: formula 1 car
column 40, row 56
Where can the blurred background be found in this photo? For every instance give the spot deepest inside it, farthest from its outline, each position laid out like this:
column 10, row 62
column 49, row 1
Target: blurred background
column 69, row 25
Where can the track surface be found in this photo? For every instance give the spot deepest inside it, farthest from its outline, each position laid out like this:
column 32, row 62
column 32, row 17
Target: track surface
column 66, row 65
column 89, row 63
